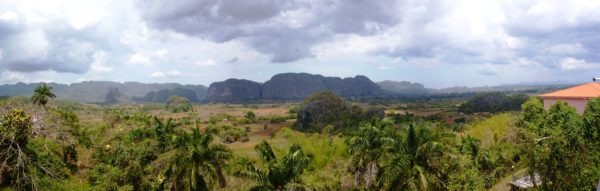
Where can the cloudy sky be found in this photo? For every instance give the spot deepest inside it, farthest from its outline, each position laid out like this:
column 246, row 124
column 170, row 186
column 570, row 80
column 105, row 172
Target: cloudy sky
column 439, row 43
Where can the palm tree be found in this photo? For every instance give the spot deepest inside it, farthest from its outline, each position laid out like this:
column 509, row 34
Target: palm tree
column 368, row 148
column 42, row 94
column 163, row 130
column 278, row 173
column 197, row 163
column 408, row 167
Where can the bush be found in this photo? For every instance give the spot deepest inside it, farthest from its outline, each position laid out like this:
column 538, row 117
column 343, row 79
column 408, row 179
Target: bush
column 277, row 119
column 250, row 116
column 232, row 134
column 178, row 104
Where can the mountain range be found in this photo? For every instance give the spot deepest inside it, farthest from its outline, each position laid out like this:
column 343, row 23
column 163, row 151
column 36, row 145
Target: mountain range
column 284, row 86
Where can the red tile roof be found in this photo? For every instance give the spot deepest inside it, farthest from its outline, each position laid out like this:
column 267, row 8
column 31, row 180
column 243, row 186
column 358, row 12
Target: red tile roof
column 583, row 91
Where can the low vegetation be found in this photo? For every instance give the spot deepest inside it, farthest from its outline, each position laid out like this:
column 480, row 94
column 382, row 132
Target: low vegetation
column 327, row 143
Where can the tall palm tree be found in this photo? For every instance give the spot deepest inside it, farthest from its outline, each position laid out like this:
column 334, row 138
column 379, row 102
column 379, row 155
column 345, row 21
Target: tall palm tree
column 409, row 167
column 197, row 164
column 368, row 148
column 277, row 173
column 42, row 94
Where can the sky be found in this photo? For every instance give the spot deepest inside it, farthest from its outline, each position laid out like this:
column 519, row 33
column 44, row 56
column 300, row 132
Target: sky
column 439, row 43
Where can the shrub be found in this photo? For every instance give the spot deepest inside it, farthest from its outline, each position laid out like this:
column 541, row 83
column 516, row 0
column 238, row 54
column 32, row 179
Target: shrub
column 178, row 104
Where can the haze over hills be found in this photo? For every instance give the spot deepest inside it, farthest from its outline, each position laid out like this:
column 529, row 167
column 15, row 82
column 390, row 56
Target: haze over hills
column 96, row 91
column 284, row 86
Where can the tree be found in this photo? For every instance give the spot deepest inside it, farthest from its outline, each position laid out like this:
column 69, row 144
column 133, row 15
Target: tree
column 559, row 152
column 278, row 174
column 533, row 114
column 178, row 104
column 367, row 148
column 493, row 102
column 197, row 163
column 591, row 120
column 409, row 167
column 42, row 94
column 20, row 165
column 163, row 131
column 318, row 110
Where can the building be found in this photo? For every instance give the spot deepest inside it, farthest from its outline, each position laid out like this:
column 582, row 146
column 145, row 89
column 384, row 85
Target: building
column 576, row 96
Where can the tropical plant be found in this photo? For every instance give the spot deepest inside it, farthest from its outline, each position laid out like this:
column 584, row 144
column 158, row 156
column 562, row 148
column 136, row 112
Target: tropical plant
column 278, row 174
column 42, row 94
column 368, row 148
column 163, row 130
column 409, row 166
column 197, row 164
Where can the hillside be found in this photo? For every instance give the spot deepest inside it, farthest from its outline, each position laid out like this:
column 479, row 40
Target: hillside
column 96, row 91
column 291, row 86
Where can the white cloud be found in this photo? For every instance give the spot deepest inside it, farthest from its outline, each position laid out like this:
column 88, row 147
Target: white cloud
column 173, row 73
column 157, row 75
column 169, row 74
column 161, row 53
column 576, row 64
column 209, row 62
column 99, row 64
column 140, row 59
column 10, row 17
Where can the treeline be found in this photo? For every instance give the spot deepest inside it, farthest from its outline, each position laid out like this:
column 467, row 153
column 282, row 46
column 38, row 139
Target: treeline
column 493, row 102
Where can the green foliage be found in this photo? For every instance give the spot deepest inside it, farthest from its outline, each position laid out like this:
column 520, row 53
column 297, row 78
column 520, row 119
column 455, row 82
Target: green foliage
column 250, row 115
column 23, row 164
column 591, row 120
column 178, row 104
column 559, row 152
column 326, row 108
column 492, row 130
column 163, row 131
column 197, row 163
column 277, row 119
column 493, row 102
column 42, row 94
column 233, row 134
column 279, row 174
column 367, row 148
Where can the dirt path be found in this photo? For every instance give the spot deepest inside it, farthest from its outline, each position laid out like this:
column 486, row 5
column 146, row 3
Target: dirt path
column 502, row 185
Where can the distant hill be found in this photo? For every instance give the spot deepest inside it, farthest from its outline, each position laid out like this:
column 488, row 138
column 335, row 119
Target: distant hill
column 395, row 88
column 284, row 86
column 234, row 90
column 404, row 87
column 300, row 85
column 163, row 95
column 290, row 86
column 96, row 91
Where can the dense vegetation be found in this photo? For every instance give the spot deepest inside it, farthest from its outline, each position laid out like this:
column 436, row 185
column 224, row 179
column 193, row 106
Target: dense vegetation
column 177, row 104
column 325, row 108
column 493, row 102
column 332, row 145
